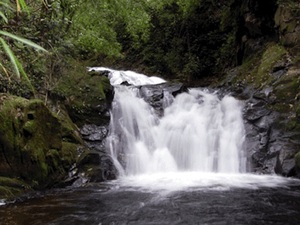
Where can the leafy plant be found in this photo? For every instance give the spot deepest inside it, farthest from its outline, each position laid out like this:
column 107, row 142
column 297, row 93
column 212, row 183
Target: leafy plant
column 17, row 66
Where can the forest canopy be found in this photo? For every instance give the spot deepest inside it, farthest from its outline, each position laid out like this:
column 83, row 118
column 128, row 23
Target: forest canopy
column 170, row 38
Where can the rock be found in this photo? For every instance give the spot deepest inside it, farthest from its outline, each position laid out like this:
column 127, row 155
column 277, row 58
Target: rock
column 92, row 132
column 287, row 20
column 35, row 145
column 10, row 187
column 255, row 109
column 96, row 167
column 155, row 94
column 86, row 98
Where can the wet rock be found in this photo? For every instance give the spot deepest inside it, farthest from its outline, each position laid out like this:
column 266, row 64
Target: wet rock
column 96, row 167
column 92, row 132
column 288, row 166
column 255, row 110
column 155, row 94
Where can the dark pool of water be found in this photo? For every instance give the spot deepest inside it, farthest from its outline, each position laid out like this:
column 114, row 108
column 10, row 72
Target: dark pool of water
column 109, row 205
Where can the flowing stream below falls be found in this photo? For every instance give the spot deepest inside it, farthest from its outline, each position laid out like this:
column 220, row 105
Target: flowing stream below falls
column 183, row 165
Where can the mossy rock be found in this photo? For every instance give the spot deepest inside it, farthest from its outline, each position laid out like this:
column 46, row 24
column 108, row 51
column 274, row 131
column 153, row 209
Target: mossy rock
column 10, row 187
column 287, row 88
column 297, row 159
column 287, row 20
column 257, row 70
column 68, row 154
column 85, row 94
column 31, row 142
column 69, row 130
column 270, row 57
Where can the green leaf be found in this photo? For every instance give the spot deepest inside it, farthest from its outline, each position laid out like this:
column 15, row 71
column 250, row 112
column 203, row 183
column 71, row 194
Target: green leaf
column 24, row 75
column 23, row 40
column 3, row 17
column 11, row 56
column 24, row 6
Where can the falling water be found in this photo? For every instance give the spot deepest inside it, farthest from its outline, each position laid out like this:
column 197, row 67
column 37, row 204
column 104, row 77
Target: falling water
column 197, row 132
column 183, row 166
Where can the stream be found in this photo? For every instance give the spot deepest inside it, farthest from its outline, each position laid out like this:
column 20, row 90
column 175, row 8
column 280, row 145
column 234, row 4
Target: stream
column 183, row 162
column 232, row 202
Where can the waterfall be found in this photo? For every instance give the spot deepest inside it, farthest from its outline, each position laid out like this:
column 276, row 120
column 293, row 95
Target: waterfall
column 197, row 131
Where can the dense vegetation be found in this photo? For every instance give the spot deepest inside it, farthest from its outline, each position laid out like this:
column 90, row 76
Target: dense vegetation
column 172, row 38
column 177, row 39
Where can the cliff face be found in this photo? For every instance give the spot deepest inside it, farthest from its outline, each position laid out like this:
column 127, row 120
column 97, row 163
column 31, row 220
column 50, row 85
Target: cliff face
column 268, row 79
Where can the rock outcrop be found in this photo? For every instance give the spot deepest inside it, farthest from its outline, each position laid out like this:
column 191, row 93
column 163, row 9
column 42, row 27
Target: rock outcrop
column 37, row 147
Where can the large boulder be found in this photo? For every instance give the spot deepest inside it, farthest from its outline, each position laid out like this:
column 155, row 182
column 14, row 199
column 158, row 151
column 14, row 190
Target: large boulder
column 37, row 147
column 87, row 97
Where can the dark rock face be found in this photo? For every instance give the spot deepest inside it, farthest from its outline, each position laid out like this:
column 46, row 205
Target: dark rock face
column 255, row 26
column 271, row 122
column 154, row 94
column 287, row 22
column 95, row 164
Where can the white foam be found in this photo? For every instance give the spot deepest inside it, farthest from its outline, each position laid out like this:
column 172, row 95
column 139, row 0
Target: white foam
column 117, row 77
column 2, row 202
column 177, row 181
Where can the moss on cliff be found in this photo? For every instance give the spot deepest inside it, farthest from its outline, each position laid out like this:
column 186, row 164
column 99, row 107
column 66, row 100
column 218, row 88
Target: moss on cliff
column 257, row 69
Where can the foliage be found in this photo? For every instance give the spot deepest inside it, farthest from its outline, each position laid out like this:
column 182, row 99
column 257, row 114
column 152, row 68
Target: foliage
column 185, row 39
column 97, row 32
column 177, row 39
column 4, row 35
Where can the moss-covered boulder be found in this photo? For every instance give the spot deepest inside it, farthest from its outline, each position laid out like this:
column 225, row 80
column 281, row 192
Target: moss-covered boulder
column 87, row 97
column 37, row 147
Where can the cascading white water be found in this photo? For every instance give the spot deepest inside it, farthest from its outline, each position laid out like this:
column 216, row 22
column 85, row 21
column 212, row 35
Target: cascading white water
column 197, row 132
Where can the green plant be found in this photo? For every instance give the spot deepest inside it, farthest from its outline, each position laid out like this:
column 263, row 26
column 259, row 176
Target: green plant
column 4, row 35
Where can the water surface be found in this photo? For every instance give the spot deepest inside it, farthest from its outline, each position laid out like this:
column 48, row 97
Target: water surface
column 218, row 200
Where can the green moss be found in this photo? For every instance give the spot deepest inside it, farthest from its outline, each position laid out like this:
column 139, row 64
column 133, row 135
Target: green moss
column 69, row 130
column 10, row 187
column 256, row 70
column 297, row 159
column 68, row 153
column 28, row 130
column 76, row 83
column 53, row 161
column 30, row 126
column 83, row 92
column 8, row 192
column 287, row 88
column 246, row 73
column 281, row 107
column 273, row 53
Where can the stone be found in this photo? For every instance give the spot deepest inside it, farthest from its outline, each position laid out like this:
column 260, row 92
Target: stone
column 33, row 145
